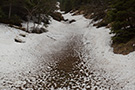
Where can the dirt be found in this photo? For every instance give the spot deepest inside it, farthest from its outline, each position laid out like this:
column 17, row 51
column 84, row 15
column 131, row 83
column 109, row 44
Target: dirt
column 124, row 48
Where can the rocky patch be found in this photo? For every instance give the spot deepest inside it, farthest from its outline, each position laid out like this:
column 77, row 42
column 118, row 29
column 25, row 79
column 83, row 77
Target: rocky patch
column 38, row 30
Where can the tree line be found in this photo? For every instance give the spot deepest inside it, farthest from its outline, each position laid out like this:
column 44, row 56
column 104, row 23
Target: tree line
column 120, row 14
column 16, row 11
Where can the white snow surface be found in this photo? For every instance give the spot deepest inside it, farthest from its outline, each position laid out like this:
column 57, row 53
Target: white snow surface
column 18, row 58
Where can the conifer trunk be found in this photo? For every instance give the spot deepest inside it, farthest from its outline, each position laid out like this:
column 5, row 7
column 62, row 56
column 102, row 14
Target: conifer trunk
column 10, row 9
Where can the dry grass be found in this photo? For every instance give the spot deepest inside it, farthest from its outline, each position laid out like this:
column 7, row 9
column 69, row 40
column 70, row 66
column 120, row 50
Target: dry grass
column 124, row 48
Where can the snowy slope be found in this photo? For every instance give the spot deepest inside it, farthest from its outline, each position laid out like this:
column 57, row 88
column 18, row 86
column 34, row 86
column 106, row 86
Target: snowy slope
column 17, row 59
column 119, row 67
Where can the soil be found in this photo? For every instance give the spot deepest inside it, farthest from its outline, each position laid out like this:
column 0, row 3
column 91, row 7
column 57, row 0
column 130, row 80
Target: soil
column 124, row 48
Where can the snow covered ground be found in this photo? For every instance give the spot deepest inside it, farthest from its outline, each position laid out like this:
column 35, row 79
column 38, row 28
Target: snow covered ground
column 18, row 59
column 120, row 67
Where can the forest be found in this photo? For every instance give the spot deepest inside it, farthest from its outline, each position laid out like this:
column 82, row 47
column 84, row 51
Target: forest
column 16, row 11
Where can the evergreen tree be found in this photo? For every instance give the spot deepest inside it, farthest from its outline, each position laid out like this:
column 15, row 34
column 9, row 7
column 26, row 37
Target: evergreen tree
column 122, row 14
column 14, row 11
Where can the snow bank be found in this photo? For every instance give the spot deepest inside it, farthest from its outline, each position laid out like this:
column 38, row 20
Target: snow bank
column 15, row 56
column 119, row 67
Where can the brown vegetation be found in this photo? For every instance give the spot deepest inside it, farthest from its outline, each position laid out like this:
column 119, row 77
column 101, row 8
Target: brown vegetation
column 57, row 16
column 124, row 48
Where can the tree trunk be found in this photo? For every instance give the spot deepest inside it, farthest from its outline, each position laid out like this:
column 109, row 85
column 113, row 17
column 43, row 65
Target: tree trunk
column 39, row 20
column 10, row 9
column 27, row 27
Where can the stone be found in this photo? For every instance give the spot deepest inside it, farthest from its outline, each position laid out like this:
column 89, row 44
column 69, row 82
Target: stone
column 19, row 40
column 71, row 21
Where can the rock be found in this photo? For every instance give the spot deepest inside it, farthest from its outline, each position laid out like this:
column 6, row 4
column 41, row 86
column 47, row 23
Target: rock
column 23, row 35
column 39, row 30
column 66, row 20
column 19, row 40
column 71, row 21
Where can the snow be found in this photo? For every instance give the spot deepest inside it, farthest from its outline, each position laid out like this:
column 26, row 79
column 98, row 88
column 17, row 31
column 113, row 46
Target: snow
column 121, row 67
column 16, row 58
